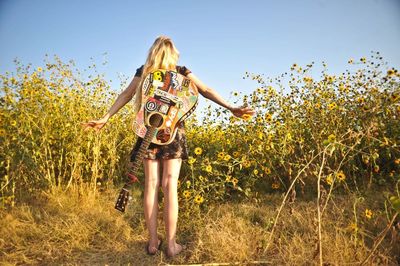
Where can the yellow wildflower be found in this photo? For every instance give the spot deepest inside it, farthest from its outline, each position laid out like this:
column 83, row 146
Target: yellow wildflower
column 227, row 157
column 221, row 155
column 255, row 172
column 191, row 160
column 208, row 168
column 198, row 151
column 236, row 154
column 198, row 199
column 246, row 117
column 267, row 170
column 329, row 179
column 268, row 117
column 332, row 106
column 275, row 185
column 186, row 194
column 39, row 69
column 246, row 164
column 235, row 181
column 341, row 176
column 390, row 72
column 331, row 138
column 353, row 227
column 368, row 213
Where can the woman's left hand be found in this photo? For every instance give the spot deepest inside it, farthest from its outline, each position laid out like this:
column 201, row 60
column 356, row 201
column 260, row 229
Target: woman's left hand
column 240, row 111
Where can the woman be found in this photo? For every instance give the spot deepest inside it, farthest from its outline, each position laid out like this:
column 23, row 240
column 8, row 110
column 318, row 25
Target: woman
column 163, row 55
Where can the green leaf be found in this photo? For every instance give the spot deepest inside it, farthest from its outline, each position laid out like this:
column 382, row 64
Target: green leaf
column 395, row 203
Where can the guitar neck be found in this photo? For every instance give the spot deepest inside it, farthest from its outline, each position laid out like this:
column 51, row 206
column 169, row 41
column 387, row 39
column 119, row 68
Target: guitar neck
column 151, row 132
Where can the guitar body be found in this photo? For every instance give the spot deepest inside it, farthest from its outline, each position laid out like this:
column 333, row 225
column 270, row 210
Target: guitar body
column 167, row 99
column 169, row 96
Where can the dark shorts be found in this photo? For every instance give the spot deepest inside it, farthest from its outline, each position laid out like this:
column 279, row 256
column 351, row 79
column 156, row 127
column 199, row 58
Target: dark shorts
column 176, row 149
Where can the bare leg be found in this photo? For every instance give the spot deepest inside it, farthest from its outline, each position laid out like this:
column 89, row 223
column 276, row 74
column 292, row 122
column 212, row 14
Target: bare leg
column 171, row 169
column 152, row 184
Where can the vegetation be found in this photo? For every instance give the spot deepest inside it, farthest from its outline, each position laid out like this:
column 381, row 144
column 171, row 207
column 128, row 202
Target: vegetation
column 313, row 178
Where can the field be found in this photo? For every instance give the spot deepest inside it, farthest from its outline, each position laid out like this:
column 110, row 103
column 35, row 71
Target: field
column 312, row 178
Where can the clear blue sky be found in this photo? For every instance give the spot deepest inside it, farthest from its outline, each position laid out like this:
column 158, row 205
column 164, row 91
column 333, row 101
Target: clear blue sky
column 219, row 40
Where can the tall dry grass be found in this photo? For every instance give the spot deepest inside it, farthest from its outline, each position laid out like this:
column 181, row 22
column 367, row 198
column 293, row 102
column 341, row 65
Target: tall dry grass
column 75, row 228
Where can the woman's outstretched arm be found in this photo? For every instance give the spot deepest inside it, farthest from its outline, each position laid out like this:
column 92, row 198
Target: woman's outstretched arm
column 211, row 94
column 122, row 99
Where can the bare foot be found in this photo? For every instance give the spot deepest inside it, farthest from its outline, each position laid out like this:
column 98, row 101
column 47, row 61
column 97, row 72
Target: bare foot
column 153, row 248
column 175, row 250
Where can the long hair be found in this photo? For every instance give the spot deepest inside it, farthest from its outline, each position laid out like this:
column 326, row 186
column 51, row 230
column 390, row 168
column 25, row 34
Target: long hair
column 162, row 55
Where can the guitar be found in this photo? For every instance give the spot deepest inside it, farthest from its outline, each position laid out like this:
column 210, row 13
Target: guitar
column 168, row 98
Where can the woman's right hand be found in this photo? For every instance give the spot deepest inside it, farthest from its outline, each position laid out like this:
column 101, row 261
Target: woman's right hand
column 96, row 124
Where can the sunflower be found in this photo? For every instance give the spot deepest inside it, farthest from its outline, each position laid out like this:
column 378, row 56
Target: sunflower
column 198, row 199
column 191, row 160
column 246, row 117
column 332, row 106
column 227, row 157
column 198, row 151
column 390, row 72
column 341, row 176
column 186, row 194
column 246, row 164
column 268, row 117
column 236, row 154
column 267, row 170
column 221, row 155
column 208, row 168
column 234, row 181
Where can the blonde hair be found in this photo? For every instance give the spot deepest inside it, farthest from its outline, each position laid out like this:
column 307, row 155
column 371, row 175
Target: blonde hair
column 162, row 55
